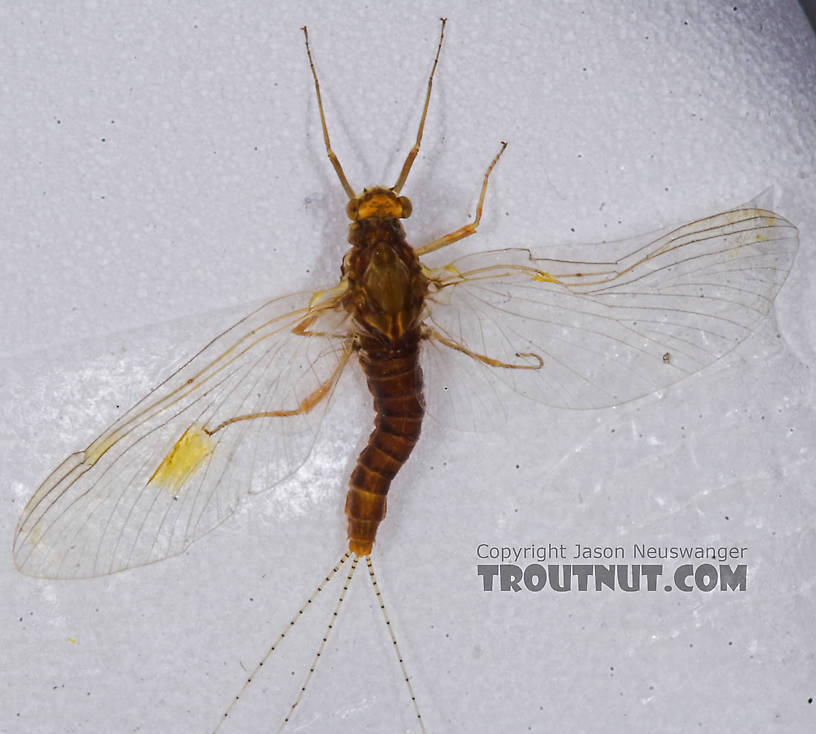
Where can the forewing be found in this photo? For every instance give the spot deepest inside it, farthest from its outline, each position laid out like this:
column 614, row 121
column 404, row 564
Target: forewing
column 176, row 464
column 608, row 332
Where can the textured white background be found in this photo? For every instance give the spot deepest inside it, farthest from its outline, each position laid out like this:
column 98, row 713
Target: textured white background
column 159, row 162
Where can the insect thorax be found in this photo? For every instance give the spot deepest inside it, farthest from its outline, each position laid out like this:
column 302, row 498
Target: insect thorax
column 386, row 284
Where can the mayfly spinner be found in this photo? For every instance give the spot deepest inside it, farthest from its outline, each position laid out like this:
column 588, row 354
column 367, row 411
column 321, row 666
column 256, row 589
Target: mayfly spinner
column 242, row 414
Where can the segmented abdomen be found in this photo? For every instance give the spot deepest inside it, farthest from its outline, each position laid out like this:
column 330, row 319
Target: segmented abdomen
column 395, row 380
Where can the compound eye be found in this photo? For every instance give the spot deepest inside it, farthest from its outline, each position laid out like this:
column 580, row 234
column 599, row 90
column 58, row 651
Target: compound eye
column 351, row 209
column 405, row 202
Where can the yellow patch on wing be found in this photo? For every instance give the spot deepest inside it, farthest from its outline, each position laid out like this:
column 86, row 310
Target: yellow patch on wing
column 441, row 276
column 543, row 277
column 188, row 454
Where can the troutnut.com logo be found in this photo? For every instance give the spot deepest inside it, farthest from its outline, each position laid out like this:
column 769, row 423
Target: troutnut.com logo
column 626, row 568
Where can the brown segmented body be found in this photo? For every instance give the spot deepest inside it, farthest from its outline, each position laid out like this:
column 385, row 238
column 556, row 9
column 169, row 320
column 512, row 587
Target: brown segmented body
column 386, row 297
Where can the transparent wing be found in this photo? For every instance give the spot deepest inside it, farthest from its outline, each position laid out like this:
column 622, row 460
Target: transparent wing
column 238, row 417
column 594, row 334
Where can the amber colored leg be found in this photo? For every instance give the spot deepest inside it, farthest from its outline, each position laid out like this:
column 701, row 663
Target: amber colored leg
column 412, row 154
column 304, row 406
column 470, row 228
column 442, row 339
column 332, row 157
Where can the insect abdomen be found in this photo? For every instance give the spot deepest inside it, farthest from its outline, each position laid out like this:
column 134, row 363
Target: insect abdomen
column 395, row 380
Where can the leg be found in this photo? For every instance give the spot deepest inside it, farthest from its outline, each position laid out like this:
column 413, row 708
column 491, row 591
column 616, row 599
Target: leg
column 304, row 406
column 319, row 303
column 431, row 333
column 412, row 154
column 470, row 228
column 332, row 157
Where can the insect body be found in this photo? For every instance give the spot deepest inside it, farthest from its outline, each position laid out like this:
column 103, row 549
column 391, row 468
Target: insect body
column 386, row 297
column 243, row 413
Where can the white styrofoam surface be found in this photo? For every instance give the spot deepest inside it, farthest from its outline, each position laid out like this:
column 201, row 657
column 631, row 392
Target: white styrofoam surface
column 162, row 162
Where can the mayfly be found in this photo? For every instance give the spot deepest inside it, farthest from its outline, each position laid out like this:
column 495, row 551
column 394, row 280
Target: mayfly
column 242, row 414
